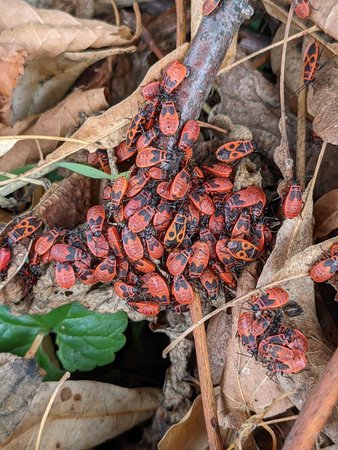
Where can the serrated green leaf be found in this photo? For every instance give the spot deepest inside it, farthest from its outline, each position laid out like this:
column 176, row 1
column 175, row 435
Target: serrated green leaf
column 88, row 339
column 83, row 169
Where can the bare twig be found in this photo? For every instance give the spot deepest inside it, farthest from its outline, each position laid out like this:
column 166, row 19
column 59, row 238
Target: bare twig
column 181, row 22
column 212, row 127
column 208, row 400
column 31, row 352
column 301, row 133
column 316, row 410
column 116, row 13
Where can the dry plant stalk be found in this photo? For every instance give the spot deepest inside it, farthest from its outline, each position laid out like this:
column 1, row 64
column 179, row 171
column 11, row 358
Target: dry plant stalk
column 316, row 410
column 301, row 133
column 181, row 22
column 203, row 364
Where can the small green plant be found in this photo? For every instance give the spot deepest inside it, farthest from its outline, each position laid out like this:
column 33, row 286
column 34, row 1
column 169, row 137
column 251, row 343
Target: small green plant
column 85, row 339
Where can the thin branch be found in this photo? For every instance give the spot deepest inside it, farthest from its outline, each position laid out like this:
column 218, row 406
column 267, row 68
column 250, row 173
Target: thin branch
column 181, row 22
column 301, row 132
column 203, row 364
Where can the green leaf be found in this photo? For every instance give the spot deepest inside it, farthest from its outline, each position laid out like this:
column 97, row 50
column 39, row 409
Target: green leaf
column 53, row 373
column 85, row 338
column 82, row 169
column 18, row 171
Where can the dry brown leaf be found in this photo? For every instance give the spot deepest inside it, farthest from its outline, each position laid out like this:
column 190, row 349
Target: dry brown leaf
column 190, row 433
column 84, row 414
column 325, row 212
column 62, row 120
column 12, row 59
column 218, row 333
column 20, row 381
column 108, row 128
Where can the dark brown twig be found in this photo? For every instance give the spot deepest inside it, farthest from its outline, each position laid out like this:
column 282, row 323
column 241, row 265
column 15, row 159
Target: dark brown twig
column 181, row 22
column 316, row 410
column 208, row 400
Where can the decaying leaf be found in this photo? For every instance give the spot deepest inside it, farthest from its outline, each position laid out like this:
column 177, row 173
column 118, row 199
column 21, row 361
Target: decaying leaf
column 84, row 414
column 325, row 212
column 20, row 381
column 61, row 120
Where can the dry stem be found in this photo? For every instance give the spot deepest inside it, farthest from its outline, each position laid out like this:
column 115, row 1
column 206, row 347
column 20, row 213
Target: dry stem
column 181, row 22
column 208, row 400
column 301, row 132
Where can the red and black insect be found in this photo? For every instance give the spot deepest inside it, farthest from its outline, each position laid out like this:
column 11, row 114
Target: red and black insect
column 218, row 185
column 95, row 218
column 122, row 268
column 275, row 297
column 180, row 185
column 302, row 9
column 273, row 352
column 45, row 242
column 324, row 270
column 293, row 203
column 156, row 173
column 99, row 157
column 150, row 157
column 25, row 228
column 261, row 324
column 106, row 270
column 210, row 283
column 193, row 218
column 232, row 151
column 243, row 250
column 124, row 290
column 244, row 330
column 152, row 90
column 117, row 191
column 202, row 202
column 136, row 184
column 132, row 245
column 97, row 244
column 189, row 136
column 176, row 231
column 217, row 223
column 258, row 238
column 132, row 278
column 136, row 203
column 177, row 261
column 293, row 339
column 224, row 274
column 199, row 259
column 84, row 273
column 219, row 170
column 311, row 56
column 146, row 139
column 182, row 290
column 5, row 257
column 66, row 253
column 144, row 265
column 157, row 287
column 146, row 308
column 173, row 76
column 162, row 216
column 141, row 120
column 241, row 228
column 210, row 239
column 141, row 219
column 163, row 190
column 334, row 250
column 252, row 196
column 209, row 6
column 123, row 152
column 64, row 275
column 114, row 240
column 154, row 247
column 168, row 120
column 197, row 172
column 223, row 253
column 294, row 365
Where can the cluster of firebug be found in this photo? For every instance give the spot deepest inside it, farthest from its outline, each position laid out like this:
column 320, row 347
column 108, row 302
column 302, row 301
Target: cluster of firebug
column 262, row 333
column 327, row 268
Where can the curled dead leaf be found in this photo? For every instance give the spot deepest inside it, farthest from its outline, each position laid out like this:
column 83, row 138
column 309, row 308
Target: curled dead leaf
column 326, row 214
column 110, row 409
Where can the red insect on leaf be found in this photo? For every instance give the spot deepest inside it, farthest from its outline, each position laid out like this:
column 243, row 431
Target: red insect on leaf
column 275, row 297
column 64, row 275
column 152, row 90
column 177, row 261
column 302, row 9
column 232, row 151
column 169, row 120
column 262, row 323
column 294, row 339
column 324, row 270
column 150, row 157
column 5, row 257
column 132, row 245
column 97, row 244
column 114, row 240
column 272, row 352
column 141, row 219
column 150, row 309
column 95, row 218
column 310, row 62
column 173, row 76
column 209, row 6
column 210, row 283
column 180, row 185
column 293, row 202
column 199, row 259
column 182, row 290
column 176, row 231
column 25, row 228
column 105, row 272
column 156, row 286
column 244, row 330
